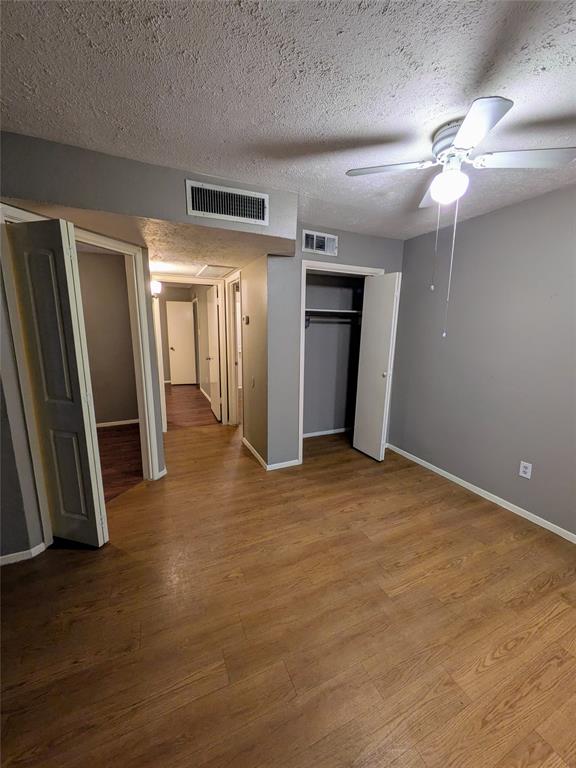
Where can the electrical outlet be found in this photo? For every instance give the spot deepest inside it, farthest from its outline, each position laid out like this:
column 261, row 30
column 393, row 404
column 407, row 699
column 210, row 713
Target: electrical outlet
column 525, row 470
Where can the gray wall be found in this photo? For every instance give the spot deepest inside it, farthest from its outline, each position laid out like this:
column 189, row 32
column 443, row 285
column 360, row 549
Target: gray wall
column 109, row 337
column 332, row 346
column 255, row 372
column 284, row 327
column 45, row 171
column 502, row 386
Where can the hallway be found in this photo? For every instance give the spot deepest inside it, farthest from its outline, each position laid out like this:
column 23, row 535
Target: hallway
column 340, row 613
column 186, row 406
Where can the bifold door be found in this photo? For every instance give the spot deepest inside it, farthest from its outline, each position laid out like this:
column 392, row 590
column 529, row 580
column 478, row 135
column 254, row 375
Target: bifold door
column 214, row 352
column 44, row 268
column 377, row 339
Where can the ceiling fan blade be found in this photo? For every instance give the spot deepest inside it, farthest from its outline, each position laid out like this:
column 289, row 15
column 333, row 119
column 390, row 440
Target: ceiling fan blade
column 482, row 116
column 391, row 168
column 427, row 201
column 527, row 158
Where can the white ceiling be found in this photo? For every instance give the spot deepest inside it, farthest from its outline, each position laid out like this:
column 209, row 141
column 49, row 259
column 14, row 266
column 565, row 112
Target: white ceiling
column 292, row 94
column 172, row 248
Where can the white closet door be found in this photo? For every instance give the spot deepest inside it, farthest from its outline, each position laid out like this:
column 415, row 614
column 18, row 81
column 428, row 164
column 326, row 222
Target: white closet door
column 45, row 269
column 214, row 352
column 180, row 322
column 377, row 339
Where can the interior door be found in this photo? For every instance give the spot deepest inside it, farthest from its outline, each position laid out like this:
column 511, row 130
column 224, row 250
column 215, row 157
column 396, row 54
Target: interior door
column 214, row 352
column 181, row 344
column 44, row 266
column 377, row 340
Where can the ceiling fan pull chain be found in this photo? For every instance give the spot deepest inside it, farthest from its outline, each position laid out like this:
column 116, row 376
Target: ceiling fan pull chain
column 445, row 328
column 433, row 278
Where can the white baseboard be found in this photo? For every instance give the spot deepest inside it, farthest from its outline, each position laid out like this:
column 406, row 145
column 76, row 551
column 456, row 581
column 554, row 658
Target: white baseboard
column 27, row 554
column 160, row 474
column 269, row 467
column 206, row 395
column 490, row 496
column 283, row 464
column 254, row 452
column 167, row 381
column 325, row 432
column 117, row 423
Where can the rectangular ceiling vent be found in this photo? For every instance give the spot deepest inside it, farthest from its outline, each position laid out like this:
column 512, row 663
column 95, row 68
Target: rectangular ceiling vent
column 319, row 242
column 226, row 203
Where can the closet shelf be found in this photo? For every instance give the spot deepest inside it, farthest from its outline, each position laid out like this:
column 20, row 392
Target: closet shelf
column 317, row 311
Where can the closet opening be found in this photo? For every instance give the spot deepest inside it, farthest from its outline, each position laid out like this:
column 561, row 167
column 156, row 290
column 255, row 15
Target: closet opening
column 333, row 318
column 348, row 330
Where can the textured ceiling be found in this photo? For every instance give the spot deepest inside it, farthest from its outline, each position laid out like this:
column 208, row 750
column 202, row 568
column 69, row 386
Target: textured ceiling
column 172, row 247
column 291, row 94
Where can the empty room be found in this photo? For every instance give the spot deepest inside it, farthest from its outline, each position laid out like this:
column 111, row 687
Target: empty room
column 288, row 376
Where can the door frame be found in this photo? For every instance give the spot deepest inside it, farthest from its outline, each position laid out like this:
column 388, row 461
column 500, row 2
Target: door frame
column 232, row 333
column 138, row 291
column 309, row 265
column 165, row 277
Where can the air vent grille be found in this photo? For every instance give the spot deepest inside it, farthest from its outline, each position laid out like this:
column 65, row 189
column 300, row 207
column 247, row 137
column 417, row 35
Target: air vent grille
column 319, row 242
column 226, row 203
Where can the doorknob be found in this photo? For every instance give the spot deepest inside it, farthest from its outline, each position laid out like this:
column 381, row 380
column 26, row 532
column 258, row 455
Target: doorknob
column 172, row 348
column 385, row 374
column 208, row 358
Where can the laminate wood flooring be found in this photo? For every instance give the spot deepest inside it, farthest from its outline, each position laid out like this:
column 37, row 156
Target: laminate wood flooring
column 120, row 458
column 341, row 614
column 186, row 406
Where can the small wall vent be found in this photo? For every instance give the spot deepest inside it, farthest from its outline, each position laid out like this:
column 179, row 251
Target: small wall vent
column 226, row 203
column 319, row 242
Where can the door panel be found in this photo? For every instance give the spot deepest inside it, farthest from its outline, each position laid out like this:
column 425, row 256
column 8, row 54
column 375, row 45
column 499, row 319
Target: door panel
column 214, row 352
column 181, row 342
column 377, row 340
column 45, row 267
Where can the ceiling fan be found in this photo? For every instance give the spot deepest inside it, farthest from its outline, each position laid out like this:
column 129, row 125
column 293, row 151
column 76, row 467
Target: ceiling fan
column 454, row 143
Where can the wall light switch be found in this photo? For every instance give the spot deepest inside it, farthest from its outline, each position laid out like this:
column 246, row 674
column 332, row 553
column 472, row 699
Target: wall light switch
column 525, row 470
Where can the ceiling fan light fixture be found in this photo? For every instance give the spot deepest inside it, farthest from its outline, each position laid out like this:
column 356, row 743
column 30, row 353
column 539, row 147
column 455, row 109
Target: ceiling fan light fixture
column 449, row 186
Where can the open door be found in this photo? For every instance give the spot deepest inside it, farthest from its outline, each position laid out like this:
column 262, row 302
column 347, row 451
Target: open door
column 377, row 340
column 44, row 270
column 214, row 352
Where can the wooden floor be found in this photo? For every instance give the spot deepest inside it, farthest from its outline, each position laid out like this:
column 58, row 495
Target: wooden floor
column 339, row 614
column 186, row 406
column 120, row 458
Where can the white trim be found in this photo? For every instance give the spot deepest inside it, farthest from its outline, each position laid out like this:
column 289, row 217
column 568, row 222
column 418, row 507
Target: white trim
column 283, row 465
column 318, row 266
column 254, row 452
column 27, row 554
column 269, row 467
column 488, row 495
column 206, row 395
column 162, row 473
column 156, row 319
column 183, row 277
column 117, row 423
column 233, row 334
column 325, row 432
column 219, row 283
column 167, row 381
